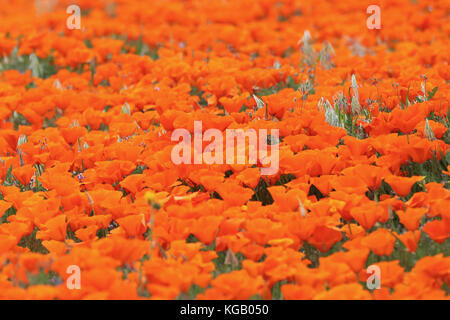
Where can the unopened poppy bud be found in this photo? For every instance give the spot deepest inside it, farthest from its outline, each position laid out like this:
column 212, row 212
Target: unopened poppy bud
column 150, row 197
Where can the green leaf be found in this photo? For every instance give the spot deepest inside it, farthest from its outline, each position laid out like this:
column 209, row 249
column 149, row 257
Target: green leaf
column 432, row 93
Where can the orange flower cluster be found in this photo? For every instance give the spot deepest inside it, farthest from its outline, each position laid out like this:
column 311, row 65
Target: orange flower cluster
column 87, row 180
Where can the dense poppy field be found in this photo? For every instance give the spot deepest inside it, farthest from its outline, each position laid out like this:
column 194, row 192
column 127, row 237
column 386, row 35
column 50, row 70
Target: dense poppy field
column 89, row 188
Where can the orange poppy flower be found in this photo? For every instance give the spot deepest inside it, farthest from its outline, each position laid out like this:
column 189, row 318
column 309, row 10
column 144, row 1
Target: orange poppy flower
column 402, row 185
column 53, row 229
column 411, row 217
column 207, row 228
column 381, row 242
column 132, row 225
column 233, row 194
column 437, row 230
column 352, row 291
column 410, row 239
column 24, row 173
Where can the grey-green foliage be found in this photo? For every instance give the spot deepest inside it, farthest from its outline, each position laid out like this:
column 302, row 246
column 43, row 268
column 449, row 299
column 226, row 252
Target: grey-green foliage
column 39, row 67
